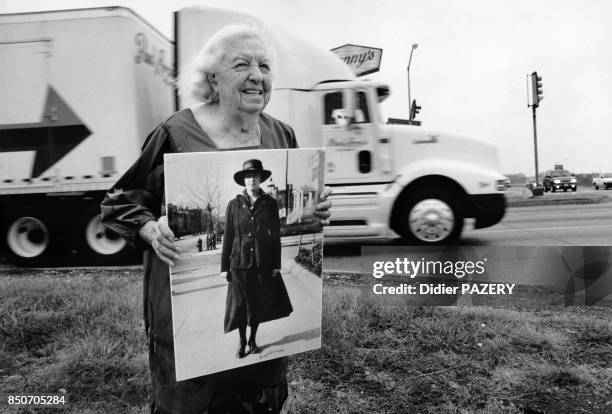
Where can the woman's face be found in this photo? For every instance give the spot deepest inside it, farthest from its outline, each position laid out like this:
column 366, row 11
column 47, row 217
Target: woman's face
column 243, row 80
column 252, row 181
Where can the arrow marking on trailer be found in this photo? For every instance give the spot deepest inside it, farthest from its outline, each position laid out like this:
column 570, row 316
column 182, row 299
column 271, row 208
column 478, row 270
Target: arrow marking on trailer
column 59, row 132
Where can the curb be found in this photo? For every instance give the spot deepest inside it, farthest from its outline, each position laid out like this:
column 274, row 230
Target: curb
column 557, row 201
column 294, row 269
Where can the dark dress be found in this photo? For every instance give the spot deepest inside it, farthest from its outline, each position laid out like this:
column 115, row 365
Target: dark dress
column 138, row 197
column 251, row 250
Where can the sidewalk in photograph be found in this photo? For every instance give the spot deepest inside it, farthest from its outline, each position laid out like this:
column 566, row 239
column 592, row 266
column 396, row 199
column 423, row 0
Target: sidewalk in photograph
column 199, row 295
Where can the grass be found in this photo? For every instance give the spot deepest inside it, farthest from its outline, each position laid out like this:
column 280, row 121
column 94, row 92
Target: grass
column 381, row 355
column 66, row 332
column 81, row 333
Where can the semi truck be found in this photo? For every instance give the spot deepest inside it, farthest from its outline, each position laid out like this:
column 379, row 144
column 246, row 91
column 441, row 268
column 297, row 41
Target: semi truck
column 102, row 78
column 81, row 89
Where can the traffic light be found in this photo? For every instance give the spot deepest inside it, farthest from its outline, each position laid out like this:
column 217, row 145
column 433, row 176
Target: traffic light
column 536, row 89
column 414, row 109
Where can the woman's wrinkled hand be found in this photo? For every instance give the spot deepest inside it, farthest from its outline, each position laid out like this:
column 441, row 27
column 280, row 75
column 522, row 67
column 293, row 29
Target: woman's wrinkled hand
column 160, row 237
column 323, row 207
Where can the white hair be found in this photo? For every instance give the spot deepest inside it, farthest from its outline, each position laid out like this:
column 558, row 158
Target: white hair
column 194, row 82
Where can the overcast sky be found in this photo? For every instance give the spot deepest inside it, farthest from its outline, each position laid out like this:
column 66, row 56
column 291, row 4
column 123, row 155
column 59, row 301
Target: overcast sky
column 469, row 70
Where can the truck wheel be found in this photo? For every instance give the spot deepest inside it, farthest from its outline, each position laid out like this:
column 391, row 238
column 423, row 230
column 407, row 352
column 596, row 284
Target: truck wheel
column 553, row 189
column 100, row 245
column 431, row 217
column 28, row 239
column 574, row 189
column 596, row 186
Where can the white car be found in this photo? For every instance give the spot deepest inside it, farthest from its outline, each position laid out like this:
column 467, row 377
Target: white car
column 603, row 181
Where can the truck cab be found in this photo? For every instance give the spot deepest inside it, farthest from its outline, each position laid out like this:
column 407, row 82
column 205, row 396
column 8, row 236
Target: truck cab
column 405, row 180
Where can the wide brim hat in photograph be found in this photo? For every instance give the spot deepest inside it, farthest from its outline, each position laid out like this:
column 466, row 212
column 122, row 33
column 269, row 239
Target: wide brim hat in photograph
column 251, row 166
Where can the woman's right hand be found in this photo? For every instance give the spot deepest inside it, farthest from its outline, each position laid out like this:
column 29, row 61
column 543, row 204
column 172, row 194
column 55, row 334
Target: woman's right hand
column 160, row 237
column 225, row 275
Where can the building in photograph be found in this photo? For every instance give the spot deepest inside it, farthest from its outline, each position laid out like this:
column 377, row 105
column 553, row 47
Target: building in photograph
column 185, row 221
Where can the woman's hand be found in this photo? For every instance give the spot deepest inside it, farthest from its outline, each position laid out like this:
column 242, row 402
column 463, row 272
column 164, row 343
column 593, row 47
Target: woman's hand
column 226, row 275
column 322, row 209
column 276, row 272
column 160, row 237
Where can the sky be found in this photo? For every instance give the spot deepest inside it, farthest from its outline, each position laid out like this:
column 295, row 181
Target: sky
column 469, row 71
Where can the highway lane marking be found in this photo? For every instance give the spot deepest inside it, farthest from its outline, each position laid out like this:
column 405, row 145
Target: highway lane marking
column 541, row 229
column 350, row 272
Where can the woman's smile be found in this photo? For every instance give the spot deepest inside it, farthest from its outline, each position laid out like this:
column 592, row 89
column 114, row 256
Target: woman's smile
column 245, row 80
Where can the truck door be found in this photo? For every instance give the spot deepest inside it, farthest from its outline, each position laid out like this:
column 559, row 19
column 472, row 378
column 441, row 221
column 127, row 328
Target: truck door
column 350, row 143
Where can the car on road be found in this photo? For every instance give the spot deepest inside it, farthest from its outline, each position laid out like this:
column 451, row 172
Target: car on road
column 603, row 181
column 507, row 183
column 559, row 179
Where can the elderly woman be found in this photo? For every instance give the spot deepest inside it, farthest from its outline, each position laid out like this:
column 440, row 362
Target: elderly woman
column 233, row 80
column 252, row 253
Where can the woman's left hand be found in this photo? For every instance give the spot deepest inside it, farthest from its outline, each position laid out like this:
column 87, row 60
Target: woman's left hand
column 276, row 272
column 322, row 209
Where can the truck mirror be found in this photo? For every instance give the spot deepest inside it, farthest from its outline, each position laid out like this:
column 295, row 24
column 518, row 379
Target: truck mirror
column 382, row 93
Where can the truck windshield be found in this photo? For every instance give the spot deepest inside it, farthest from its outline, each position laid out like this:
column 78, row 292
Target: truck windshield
column 560, row 173
column 334, row 108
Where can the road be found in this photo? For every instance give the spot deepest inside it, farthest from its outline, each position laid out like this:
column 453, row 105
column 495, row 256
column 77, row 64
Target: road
column 543, row 225
column 575, row 225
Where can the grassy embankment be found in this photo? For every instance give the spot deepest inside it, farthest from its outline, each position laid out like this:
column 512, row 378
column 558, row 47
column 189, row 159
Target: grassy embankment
column 82, row 333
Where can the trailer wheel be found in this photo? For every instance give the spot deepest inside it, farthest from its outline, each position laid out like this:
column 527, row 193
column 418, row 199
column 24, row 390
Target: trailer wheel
column 28, row 239
column 431, row 217
column 100, row 245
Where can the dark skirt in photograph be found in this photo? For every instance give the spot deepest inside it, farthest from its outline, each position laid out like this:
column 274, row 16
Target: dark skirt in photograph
column 254, row 296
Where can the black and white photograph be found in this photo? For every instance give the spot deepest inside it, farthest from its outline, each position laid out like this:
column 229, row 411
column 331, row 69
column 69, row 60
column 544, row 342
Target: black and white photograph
column 247, row 287
column 462, row 139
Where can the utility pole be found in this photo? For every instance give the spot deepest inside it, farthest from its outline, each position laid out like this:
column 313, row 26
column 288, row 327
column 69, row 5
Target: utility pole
column 536, row 97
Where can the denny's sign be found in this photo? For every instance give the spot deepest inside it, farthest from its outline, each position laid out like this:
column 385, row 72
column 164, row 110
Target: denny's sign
column 361, row 59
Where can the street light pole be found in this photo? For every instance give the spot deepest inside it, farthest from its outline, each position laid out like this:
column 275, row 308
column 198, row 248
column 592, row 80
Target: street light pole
column 414, row 46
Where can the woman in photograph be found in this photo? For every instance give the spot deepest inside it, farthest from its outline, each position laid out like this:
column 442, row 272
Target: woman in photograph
column 232, row 78
column 251, row 259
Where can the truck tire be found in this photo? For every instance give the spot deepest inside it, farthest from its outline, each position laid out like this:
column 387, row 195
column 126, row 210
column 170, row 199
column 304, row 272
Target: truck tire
column 99, row 245
column 28, row 238
column 597, row 187
column 430, row 217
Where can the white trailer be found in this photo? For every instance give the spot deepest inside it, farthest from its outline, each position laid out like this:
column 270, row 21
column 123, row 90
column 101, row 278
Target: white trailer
column 80, row 91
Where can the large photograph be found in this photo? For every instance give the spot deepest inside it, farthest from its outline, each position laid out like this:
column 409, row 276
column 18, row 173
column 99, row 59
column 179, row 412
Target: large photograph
column 247, row 287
